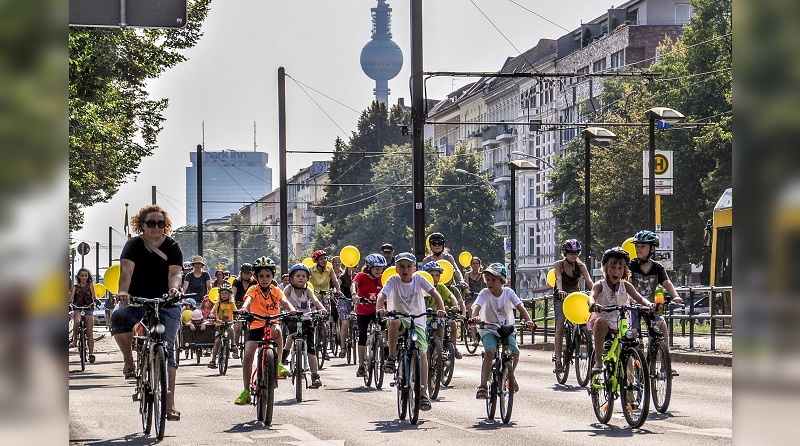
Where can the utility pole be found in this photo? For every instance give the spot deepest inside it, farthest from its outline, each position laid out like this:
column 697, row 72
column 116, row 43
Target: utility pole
column 283, row 194
column 153, row 192
column 200, row 199
column 417, row 127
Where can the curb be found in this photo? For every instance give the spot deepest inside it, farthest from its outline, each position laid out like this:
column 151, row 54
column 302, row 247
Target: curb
column 677, row 356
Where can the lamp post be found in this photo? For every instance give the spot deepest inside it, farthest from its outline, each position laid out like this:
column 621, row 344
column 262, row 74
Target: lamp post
column 601, row 135
column 515, row 166
column 668, row 116
column 537, row 158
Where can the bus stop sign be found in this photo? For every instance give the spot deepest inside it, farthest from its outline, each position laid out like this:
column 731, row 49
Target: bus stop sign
column 137, row 13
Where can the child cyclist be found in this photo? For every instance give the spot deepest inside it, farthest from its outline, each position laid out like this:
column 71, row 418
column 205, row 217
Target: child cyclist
column 223, row 312
column 496, row 304
column 302, row 298
column 365, row 288
column 405, row 293
column 265, row 299
column 448, row 297
column 612, row 289
column 569, row 271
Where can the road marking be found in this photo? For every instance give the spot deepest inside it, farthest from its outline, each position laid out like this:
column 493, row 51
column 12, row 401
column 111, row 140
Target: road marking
column 723, row 432
column 471, row 430
column 290, row 430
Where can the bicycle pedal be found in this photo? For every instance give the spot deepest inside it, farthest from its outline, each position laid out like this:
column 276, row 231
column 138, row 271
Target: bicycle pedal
column 392, row 384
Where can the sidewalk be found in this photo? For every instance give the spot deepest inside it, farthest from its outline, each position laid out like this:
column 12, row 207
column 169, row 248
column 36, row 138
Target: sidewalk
column 679, row 351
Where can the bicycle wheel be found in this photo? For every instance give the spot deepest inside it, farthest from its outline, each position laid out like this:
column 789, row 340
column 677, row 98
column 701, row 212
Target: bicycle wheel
column 158, row 389
column 143, row 391
column 377, row 361
column 566, row 356
column 402, row 388
column 82, row 347
column 177, row 350
column 469, row 339
column 240, row 342
column 331, row 339
column 506, row 388
column 660, row 375
column 348, row 347
column 602, row 396
column 491, row 397
column 266, row 386
column 222, row 362
column 297, row 369
column 449, row 362
column 434, row 367
column 583, row 356
column 354, row 341
column 414, row 385
column 635, row 387
column 369, row 359
column 321, row 342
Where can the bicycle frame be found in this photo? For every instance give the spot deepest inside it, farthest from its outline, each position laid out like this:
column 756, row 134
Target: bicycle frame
column 408, row 393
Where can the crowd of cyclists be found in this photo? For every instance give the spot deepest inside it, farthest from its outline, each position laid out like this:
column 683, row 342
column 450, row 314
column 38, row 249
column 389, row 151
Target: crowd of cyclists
column 152, row 265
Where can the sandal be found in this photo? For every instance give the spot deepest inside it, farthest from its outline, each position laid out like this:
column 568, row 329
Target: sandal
column 388, row 366
column 91, row 359
column 481, row 393
column 559, row 368
column 424, row 403
column 129, row 373
column 173, row 415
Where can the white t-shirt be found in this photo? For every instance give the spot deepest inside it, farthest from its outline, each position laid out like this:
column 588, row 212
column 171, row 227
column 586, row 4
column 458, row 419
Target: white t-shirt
column 497, row 309
column 408, row 298
column 302, row 302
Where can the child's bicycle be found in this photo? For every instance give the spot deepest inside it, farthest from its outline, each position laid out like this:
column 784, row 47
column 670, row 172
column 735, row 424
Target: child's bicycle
column 659, row 363
column 624, row 375
column 298, row 357
column 264, row 380
column 83, row 335
column 408, row 371
column 224, row 348
column 351, row 340
column 502, row 385
column 449, row 348
column 435, row 362
column 373, row 363
column 576, row 348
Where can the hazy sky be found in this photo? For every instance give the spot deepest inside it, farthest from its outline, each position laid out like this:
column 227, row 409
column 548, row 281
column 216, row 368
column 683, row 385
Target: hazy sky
column 230, row 81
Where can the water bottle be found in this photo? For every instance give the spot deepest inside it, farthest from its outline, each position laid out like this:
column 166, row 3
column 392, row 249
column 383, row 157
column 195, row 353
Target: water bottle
column 659, row 300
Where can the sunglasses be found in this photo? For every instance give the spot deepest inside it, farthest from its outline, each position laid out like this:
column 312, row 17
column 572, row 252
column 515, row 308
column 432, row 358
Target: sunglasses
column 437, row 243
column 152, row 223
column 573, row 252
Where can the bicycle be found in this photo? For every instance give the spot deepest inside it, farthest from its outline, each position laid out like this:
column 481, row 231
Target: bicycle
column 470, row 339
column 264, row 379
column 659, row 363
column 327, row 328
column 351, row 341
column 224, row 347
column 374, row 354
column 435, row 363
column 408, row 372
column 623, row 374
column 83, row 336
column 298, row 356
column 576, row 347
column 502, row 384
column 151, row 366
column 449, row 349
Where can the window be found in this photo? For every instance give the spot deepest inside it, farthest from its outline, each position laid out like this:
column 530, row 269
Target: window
column 599, row 65
column 583, row 69
column 683, row 13
column 531, row 192
column 618, row 59
column 633, row 17
column 531, row 240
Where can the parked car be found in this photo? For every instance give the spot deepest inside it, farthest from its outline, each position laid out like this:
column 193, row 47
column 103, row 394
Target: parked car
column 700, row 306
column 100, row 313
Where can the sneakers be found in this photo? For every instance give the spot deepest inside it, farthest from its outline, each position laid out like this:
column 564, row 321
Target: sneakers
column 388, row 366
column 361, row 372
column 559, row 368
column 235, row 352
column 516, row 386
column 458, row 354
column 481, row 393
column 424, row 403
column 212, row 365
column 316, row 383
column 283, row 372
column 243, row 399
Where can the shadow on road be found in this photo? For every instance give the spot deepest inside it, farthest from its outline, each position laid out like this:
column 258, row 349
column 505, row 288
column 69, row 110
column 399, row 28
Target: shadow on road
column 567, row 388
column 132, row 439
column 609, row 431
column 396, row 426
column 248, row 426
column 491, row 425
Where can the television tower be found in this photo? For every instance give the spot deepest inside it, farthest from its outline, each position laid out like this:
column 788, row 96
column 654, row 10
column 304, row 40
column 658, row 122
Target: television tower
column 381, row 58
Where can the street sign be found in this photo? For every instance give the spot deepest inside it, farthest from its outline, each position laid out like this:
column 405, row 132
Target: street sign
column 663, row 170
column 138, row 13
column 660, row 190
column 83, row 248
column 664, row 258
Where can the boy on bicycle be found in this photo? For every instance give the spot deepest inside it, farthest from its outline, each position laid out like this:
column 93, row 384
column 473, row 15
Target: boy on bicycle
column 405, row 293
column 303, row 298
column 496, row 304
column 223, row 312
column 435, row 270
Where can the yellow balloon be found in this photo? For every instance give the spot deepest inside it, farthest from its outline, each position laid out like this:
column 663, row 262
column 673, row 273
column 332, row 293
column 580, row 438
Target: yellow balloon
column 186, row 316
column 576, row 307
column 231, row 279
column 425, row 275
column 428, row 242
column 213, row 294
column 465, row 258
column 111, row 279
column 310, row 286
column 551, row 278
column 100, row 290
column 387, row 273
column 629, row 247
column 448, row 272
column 309, row 262
column 350, row 256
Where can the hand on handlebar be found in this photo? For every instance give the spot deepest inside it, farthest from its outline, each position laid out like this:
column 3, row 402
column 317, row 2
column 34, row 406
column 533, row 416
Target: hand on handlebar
column 595, row 307
column 475, row 320
column 562, row 294
column 124, row 299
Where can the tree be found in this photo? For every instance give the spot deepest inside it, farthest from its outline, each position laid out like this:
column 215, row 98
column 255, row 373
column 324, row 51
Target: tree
column 109, row 107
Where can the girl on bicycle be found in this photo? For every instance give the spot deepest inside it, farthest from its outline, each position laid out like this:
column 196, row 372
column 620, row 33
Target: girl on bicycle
column 365, row 289
column 82, row 295
column 322, row 279
column 612, row 289
column 266, row 300
column 219, row 279
column 569, row 271
column 496, row 304
column 475, row 284
column 223, row 312
column 438, row 252
column 343, row 306
column 449, row 299
column 303, row 299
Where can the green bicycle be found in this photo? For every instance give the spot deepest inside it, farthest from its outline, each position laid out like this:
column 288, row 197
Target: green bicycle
column 624, row 375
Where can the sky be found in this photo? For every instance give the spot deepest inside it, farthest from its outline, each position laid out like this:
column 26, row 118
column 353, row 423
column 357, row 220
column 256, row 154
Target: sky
column 230, row 81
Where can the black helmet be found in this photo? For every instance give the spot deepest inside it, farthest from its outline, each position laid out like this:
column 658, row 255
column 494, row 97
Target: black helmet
column 436, row 237
column 617, row 252
column 649, row 237
column 570, row 245
column 246, row 268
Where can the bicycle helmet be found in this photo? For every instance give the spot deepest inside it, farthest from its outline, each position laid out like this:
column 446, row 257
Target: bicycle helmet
column 649, row 237
column 226, row 287
column 436, row 237
column 375, row 260
column 498, row 270
column 246, row 268
column 570, row 245
column 263, row 262
column 432, row 266
column 316, row 254
column 617, row 252
column 299, row 267
column 405, row 256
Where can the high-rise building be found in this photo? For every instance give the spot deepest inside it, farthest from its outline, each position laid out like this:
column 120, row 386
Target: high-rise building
column 230, row 179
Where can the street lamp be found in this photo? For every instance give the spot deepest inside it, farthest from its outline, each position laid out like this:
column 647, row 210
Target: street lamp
column 668, row 116
column 540, row 159
column 598, row 134
column 515, row 166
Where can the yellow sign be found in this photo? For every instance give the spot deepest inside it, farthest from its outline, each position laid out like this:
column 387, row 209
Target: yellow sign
column 661, row 164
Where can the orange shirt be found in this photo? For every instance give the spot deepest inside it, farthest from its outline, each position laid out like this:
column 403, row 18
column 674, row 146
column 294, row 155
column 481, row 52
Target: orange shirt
column 266, row 304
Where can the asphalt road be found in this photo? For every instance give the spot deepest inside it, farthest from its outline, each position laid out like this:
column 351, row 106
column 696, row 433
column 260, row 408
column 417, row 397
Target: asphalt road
column 343, row 411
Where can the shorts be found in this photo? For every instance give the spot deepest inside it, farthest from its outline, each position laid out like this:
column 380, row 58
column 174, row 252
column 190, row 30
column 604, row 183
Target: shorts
column 490, row 341
column 124, row 318
column 257, row 334
column 558, row 308
column 592, row 323
column 422, row 341
column 308, row 334
column 345, row 307
column 363, row 321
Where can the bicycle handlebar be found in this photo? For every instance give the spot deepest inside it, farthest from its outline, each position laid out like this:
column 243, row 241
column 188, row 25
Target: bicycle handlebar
column 397, row 315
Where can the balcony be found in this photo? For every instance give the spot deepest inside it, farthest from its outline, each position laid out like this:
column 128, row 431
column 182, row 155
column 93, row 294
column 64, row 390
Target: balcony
column 490, row 135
